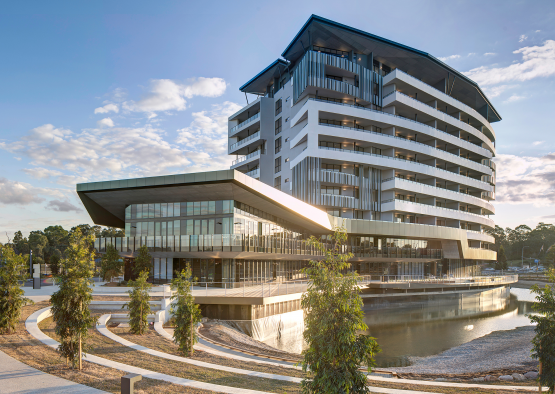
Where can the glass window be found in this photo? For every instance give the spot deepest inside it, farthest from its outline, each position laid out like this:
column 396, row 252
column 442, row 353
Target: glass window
column 163, row 268
column 128, row 212
column 170, row 228
column 134, row 211
column 211, row 226
column 197, row 208
column 204, row 207
column 157, row 230
column 278, row 126
column 150, row 211
column 127, row 229
column 137, row 229
column 278, row 145
column 278, row 107
column 219, row 207
column 211, row 207
column 156, row 268
column 204, row 228
column 197, row 227
column 163, row 210
column 157, row 210
column 176, row 209
column 228, row 206
column 190, row 209
column 176, row 227
column 226, row 225
column 150, row 229
column 190, row 227
column 277, row 183
column 277, row 167
column 144, row 209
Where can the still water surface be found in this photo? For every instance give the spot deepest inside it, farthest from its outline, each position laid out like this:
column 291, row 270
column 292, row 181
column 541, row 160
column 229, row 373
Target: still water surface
column 422, row 327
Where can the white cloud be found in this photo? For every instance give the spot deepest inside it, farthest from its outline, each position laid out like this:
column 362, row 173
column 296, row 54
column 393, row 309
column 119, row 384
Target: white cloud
column 494, row 91
column 107, row 108
column 106, row 122
column 513, row 98
column 522, row 38
column 537, row 31
column 452, row 57
column 62, row 206
column 41, row 173
column 207, row 136
column 537, row 61
column 537, row 143
column 490, row 54
column 19, row 193
column 526, row 180
column 471, row 54
column 167, row 95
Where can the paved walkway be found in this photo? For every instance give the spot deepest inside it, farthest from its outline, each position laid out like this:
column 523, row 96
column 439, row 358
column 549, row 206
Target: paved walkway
column 16, row 377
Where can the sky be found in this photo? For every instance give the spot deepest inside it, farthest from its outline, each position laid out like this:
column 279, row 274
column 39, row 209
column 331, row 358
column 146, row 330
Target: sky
column 105, row 90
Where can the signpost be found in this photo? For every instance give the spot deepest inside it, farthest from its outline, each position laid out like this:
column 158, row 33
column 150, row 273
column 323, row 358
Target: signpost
column 36, row 276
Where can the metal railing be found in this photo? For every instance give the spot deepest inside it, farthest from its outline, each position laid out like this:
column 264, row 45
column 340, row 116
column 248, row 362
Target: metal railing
column 435, row 187
column 405, row 160
column 247, row 157
column 474, row 145
column 254, row 173
column 405, row 139
column 255, row 116
column 244, row 140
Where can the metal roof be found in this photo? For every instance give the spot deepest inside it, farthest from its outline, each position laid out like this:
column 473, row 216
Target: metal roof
column 259, row 83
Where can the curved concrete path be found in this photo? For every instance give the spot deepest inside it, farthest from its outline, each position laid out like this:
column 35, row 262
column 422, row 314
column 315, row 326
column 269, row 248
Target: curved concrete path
column 101, row 327
column 17, row 377
column 31, row 324
column 209, row 347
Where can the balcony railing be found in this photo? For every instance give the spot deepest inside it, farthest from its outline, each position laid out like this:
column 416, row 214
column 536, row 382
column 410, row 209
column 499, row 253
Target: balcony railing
column 451, row 174
column 254, row 173
column 474, row 145
column 342, row 178
column 252, row 118
column 435, row 206
column 404, row 139
column 435, row 187
column 334, row 200
column 247, row 157
column 244, row 140
column 253, row 243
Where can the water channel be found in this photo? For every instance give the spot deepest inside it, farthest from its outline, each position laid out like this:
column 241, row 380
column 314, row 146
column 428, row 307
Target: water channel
column 416, row 326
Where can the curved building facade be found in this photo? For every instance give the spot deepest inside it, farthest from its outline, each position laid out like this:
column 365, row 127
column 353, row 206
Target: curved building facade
column 375, row 133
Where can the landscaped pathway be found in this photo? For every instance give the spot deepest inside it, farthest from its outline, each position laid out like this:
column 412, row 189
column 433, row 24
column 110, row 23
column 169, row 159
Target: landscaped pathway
column 16, row 377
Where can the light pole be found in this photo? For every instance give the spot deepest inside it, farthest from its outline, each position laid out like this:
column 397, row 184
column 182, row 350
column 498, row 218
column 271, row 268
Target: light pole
column 522, row 263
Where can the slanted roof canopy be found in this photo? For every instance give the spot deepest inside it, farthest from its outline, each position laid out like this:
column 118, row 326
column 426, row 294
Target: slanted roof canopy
column 260, row 82
column 326, row 33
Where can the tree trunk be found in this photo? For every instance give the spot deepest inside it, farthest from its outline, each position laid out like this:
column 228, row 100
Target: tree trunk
column 80, row 364
column 192, row 333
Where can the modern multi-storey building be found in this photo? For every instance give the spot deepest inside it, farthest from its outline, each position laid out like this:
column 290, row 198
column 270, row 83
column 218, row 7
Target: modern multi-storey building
column 349, row 129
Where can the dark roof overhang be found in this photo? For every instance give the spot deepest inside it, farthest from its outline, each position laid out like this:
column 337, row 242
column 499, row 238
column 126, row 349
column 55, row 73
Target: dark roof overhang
column 327, row 33
column 262, row 80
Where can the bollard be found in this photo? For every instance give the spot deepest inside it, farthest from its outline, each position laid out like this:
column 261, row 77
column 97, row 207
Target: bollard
column 128, row 381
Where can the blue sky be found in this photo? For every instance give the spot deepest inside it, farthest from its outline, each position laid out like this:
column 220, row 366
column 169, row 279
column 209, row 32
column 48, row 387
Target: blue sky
column 109, row 90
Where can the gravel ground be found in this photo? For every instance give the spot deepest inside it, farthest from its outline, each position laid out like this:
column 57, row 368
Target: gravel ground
column 500, row 350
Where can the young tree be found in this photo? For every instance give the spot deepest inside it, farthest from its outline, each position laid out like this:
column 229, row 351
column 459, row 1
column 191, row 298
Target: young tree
column 139, row 305
column 185, row 311
column 501, row 263
column 70, row 304
column 13, row 270
column 550, row 257
column 544, row 341
column 111, row 263
column 333, row 322
column 143, row 261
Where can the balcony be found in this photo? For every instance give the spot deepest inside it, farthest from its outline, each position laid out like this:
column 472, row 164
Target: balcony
column 241, row 125
column 438, row 94
column 243, row 143
column 328, row 176
column 431, row 210
column 254, row 173
column 333, row 200
column 246, row 159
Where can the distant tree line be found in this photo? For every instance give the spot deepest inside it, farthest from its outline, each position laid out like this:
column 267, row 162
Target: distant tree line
column 49, row 245
column 534, row 243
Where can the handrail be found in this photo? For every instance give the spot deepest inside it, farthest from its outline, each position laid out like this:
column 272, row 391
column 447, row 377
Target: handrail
column 252, row 173
column 421, row 102
column 250, row 155
column 394, row 136
column 435, row 187
column 470, row 109
column 396, row 158
column 244, row 140
column 400, row 117
column 435, row 206
column 257, row 115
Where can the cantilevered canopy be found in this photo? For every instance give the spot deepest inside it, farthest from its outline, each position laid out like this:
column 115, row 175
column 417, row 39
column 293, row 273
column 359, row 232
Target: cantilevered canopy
column 260, row 83
column 326, row 33
column 106, row 201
